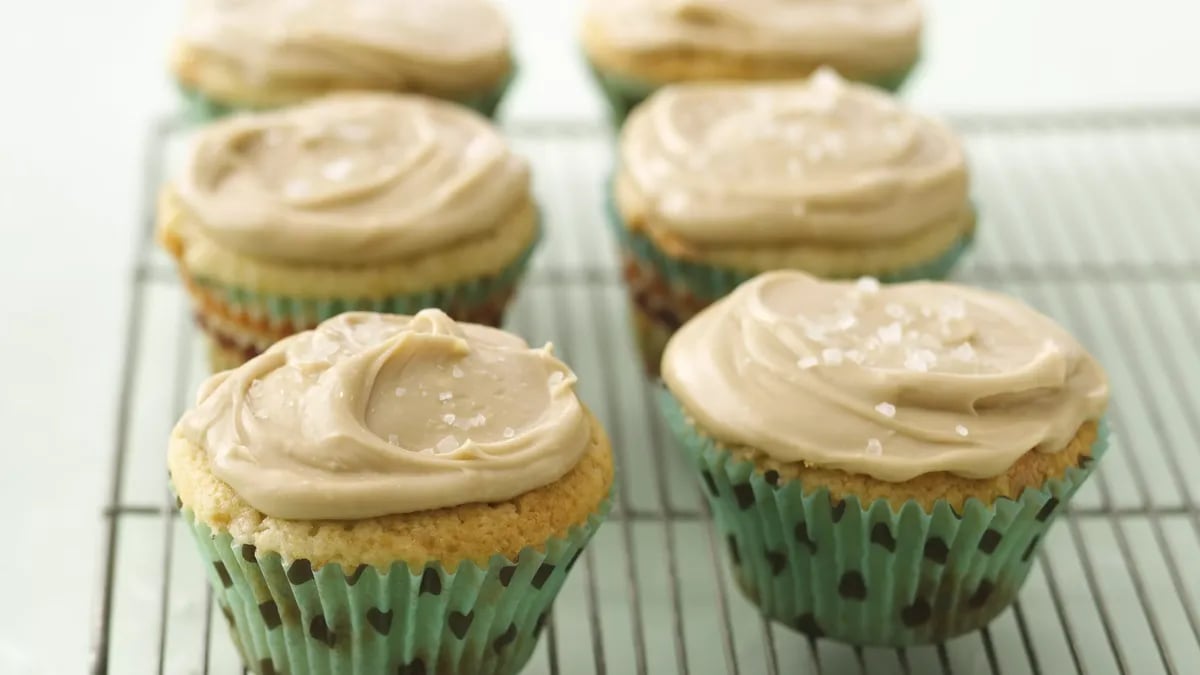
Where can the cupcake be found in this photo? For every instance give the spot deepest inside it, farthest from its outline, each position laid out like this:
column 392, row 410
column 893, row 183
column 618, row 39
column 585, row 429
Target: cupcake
column 233, row 55
column 883, row 461
column 388, row 203
column 636, row 46
column 719, row 182
column 390, row 494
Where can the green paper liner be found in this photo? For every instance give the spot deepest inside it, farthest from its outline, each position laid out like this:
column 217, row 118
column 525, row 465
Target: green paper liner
column 276, row 309
column 867, row 574
column 286, row 617
column 623, row 92
column 199, row 108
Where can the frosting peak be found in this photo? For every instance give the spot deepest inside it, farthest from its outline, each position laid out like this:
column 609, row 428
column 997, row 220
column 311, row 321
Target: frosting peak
column 892, row 381
column 819, row 160
column 351, row 178
column 370, row 415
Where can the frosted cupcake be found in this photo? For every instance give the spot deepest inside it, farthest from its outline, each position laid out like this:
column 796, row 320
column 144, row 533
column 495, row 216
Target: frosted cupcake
column 882, row 461
column 719, row 182
column 390, row 494
column 636, row 46
column 374, row 202
column 232, row 55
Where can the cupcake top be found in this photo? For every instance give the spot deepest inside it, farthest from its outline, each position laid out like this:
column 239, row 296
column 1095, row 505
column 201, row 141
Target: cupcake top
column 373, row 414
column 821, row 160
column 885, row 31
column 351, row 178
column 889, row 381
column 415, row 44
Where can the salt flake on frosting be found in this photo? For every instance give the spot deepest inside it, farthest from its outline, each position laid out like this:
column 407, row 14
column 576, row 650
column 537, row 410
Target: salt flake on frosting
column 808, row 362
column 963, row 352
column 961, row 431
column 832, row 356
column 891, row 334
column 868, row 285
column 874, row 447
column 886, row 409
column 447, row 444
column 509, row 432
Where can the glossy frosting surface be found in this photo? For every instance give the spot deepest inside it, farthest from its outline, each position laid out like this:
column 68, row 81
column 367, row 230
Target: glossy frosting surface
column 394, row 45
column 820, row 160
column 893, row 381
column 373, row 414
column 879, row 29
column 351, row 178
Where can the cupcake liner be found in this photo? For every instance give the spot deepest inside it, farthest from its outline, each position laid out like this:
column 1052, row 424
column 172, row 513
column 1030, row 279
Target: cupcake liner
column 623, row 93
column 286, row 617
column 199, row 108
column 866, row 573
column 288, row 312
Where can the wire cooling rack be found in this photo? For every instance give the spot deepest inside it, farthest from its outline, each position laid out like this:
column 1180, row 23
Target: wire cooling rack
column 1095, row 219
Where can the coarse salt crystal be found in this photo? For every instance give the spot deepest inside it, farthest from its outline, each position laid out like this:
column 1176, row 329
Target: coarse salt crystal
column 449, row 418
column 886, row 409
column 915, row 363
column 856, row 356
column 831, row 356
column 954, row 309
column 445, row 396
column 867, row 284
column 447, row 444
column 815, row 333
column 891, row 334
column 874, row 447
column 556, row 378
column 393, row 439
column 478, row 420
column 296, row 188
column 961, row 430
column 846, row 322
column 963, row 352
column 456, row 373
column 337, row 170
column 895, row 310
column 509, row 432
column 808, row 362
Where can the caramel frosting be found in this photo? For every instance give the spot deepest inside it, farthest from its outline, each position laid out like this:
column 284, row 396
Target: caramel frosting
column 875, row 31
column 816, row 161
column 374, row 414
column 893, row 381
column 352, row 178
column 435, row 45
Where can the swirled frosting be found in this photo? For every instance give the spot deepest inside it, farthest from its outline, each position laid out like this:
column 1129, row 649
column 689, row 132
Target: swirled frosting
column 817, row 161
column 373, row 414
column 351, row 178
column 892, row 382
column 873, row 31
column 414, row 44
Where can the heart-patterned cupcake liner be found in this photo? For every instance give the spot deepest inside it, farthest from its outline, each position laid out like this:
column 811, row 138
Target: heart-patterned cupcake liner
column 287, row 617
column 864, row 572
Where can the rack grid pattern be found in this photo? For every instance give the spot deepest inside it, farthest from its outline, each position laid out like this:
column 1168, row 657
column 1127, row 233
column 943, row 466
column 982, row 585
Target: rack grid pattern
column 1095, row 219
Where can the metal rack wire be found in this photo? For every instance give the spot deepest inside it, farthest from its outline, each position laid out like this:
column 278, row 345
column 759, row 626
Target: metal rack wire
column 1093, row 218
